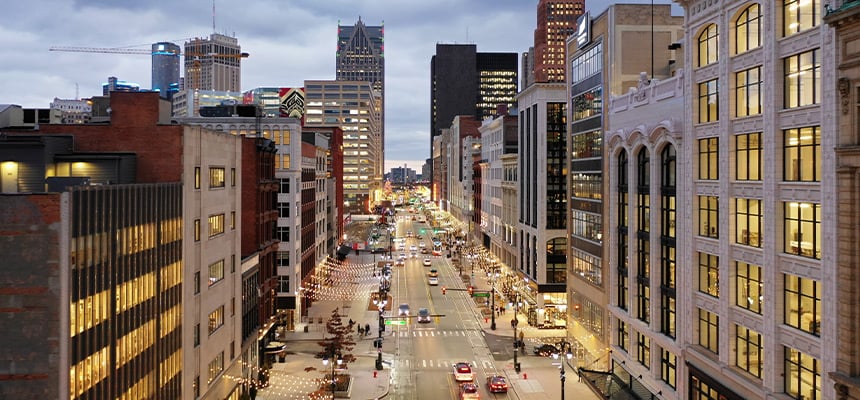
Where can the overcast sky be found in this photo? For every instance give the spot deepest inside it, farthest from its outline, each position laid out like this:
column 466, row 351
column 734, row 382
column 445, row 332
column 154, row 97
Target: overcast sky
column 289, row 41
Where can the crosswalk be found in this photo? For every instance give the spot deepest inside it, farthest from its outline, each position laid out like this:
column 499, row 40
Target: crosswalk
column 441, row 364
column 435, row 333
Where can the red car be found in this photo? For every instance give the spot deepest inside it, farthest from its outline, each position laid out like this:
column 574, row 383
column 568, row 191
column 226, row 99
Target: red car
column 497, row 384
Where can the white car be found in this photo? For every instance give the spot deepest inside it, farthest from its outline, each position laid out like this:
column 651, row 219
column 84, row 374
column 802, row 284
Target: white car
column 463, row 372
column 433, row 281
column 403, row 310
column 413, row 248
column 427, row 262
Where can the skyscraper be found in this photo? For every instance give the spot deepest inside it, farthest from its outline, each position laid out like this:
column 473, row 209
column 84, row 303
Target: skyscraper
column 213, row 63
column 361, row 57
column 556, row 20
column 465, row 82
column 165, row 68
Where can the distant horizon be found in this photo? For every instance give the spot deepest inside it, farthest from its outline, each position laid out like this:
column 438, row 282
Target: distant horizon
column 413, row 164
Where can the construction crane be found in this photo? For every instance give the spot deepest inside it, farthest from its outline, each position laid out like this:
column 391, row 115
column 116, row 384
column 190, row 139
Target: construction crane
column 125, row 50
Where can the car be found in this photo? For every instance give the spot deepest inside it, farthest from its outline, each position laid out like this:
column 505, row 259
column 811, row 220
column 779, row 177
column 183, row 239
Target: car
column 413, row 248
column 433, row 281
column 427, row 262
column 437, row 252
column 403, row 310
column 402, row 256
column 497, row 384
column 408, row 234
column 545, row 350
column 414, row 255
column 424, row 250
column 423, row 315
column 433, row 273
column 399, row 263
column 463, row 372
column 422, row 245
column 469, row 391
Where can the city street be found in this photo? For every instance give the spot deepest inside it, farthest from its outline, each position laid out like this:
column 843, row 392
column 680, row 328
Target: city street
column 418, row 358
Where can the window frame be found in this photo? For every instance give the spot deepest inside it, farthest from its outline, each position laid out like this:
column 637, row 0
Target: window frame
column 751, row 38
column 708, row 45
column 797, row 290
column 709, row 158
column 794, row 373
column 216, row 224
column 798, row 145
column 749, row 343
column 748, row 157
column 797, row 225
column 709, row 101
column 748, row 222
column 749, row 276
column 217, row 178
column 793, row 23
column 747, row 91
column 709, row 331
column 216, row 272
column 709, row 274
column 709, row 216
column 802, row 79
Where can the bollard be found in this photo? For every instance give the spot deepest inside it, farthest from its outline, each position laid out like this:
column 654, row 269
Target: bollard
column 525, row 376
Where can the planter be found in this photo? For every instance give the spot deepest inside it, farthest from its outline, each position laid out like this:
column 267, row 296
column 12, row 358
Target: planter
column 343, row 387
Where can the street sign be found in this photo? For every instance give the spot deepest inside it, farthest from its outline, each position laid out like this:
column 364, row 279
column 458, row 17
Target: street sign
column 395, row 322
column 481, row 294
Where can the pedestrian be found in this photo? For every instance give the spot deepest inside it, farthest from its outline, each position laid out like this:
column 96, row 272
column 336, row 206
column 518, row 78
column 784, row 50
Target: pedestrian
column 522, row 336
column 360, row 331
column 351, row 322
column 366, row 329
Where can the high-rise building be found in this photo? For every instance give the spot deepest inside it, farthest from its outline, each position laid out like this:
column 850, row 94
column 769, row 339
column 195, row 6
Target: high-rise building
column 556, row 20
column 351, row 106
column 213, row 63
column 115, row 85
column 465, row 82
column 165, row 68
column 361, row 57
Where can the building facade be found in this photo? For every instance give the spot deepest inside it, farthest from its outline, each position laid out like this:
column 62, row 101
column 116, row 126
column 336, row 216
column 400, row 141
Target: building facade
column 498, row 139
column 165, row 68
column 213, row 63
column 556, row 21
column 353, row 106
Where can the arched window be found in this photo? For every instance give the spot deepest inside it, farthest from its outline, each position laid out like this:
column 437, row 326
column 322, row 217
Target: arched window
column 623, row 232
column 748, row 29
column 643, row 241
column 668, row 212
column 800, row 15
column 708, row 45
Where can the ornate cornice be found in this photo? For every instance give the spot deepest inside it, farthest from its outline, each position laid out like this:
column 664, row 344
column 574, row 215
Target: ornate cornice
column 848, row 13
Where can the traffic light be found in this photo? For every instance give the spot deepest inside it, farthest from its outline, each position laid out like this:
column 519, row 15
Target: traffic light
column 471, row 290
column 444, row 289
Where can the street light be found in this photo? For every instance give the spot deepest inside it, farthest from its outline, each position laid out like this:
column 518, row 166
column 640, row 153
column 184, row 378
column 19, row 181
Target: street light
column 515, row 322
column 493, row 276
column 557, row 356
column 339, row 361
column 381, row 304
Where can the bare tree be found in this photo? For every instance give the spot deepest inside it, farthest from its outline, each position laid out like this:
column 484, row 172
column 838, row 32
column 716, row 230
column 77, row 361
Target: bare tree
column 338, row 345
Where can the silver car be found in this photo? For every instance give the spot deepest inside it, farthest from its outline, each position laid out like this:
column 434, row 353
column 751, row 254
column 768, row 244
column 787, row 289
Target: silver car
column 403, row 310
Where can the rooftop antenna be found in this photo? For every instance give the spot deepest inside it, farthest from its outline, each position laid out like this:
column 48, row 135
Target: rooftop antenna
column 213, row 16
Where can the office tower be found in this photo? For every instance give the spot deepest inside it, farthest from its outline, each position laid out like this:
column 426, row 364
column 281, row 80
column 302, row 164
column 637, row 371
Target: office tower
column 465, row 82
column 351, row 106
column 115, row 85
column 165, row 68
column 187, row 103
column 594, row 75
column 213, row 63
column 361, row 57
column 556, row 20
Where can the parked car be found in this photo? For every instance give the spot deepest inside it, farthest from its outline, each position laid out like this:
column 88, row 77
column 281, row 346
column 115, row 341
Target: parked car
column 497, row 384
column 469, row 391
column 463, row 372
column 423, row 315
column 545, row 350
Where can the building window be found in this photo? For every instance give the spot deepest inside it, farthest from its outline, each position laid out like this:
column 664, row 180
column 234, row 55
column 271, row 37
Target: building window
column 709, row 274
column 232, row 220
column 232, row 176
column 232, row 263
column 196, row 335
column 643, row 191
column 623, row 336
column 748, row 85
column 748, row 220
column 709, row 333
column 216, row 366
column 196, row 230
column 802, row 154
column 748, row 30
column 623, row 232
column 709, row 98
column 197, row 177
column 750, row 291
column 285, row 186
column 216, row 272
column 216, row 177
column 709, row 214
column 216, row 225
column 216, row 319
column 195, row 387
column 800, row 15
column 283, row 210
column 708, row 46
column 802, row 79
column 803, row 304
column 668, row 366
column 748, row 156
column 802, row 375
column 643, row 350
column 750, row 352
column 197, row 282
column 802, row 229
column 284, row 234
column 283, row 284
column 709, row 159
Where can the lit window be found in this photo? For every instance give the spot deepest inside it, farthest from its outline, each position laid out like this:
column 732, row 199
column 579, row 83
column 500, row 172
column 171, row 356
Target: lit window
column 668, row 367
column 196, row 230
column 216, row 225
column 709, row 274
column 708, row 45
column 197, row 177
column 802, row 154
column 709, row 159
column 709, row 215
column 643, row 350
column 216, row 366
column 800, row 15
column 748, row 90
column 748, row 156
column 748, row 222
column 709, row 99
column 709, row 330
column 216, row 177
column 802, row 79
column 216, row 272
column 803, row 304
column 750, row 352
column 802, row 375
column 216, row 319
column 802, row 229
column 749, row 288
column 748, row 29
